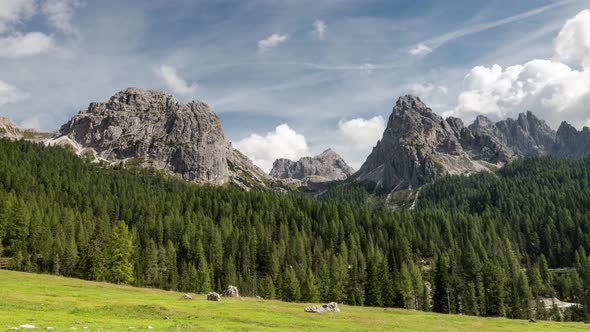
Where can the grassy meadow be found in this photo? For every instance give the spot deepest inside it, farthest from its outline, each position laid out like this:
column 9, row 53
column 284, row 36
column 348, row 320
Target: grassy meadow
column 70, row 304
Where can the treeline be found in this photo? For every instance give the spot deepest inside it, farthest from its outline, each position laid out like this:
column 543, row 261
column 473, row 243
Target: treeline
column 460, row 252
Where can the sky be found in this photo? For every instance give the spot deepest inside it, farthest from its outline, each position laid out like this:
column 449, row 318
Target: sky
column 291, row 78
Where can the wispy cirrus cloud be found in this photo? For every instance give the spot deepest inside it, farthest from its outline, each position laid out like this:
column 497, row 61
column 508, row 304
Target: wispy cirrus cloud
column 430, row 45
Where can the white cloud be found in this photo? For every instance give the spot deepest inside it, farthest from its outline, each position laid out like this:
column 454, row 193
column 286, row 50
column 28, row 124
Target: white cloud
column 19, row 45
column 551, row 89
column 283, row 142
column 420, row 49
column 15, row 11
column 9, row 94
column 174, row 82
column 362, row 134
column 319, row 28
column 60, row 13
column 572, row 45
column 272, row 41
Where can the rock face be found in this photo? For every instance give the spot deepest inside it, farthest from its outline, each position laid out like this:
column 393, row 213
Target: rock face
column 419, row 145
column 231, row 291
column 152, row 128
column 330, row 307
column 327, row 166
column 212, row 296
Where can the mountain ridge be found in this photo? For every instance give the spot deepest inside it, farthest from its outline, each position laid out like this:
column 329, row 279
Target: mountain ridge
column 419, row 145
column 326, row 166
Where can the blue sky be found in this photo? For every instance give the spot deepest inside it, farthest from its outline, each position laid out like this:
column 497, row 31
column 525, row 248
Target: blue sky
column 294, row 77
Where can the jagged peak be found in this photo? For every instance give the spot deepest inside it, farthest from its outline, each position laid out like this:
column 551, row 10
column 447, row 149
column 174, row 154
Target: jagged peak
column 409, row 102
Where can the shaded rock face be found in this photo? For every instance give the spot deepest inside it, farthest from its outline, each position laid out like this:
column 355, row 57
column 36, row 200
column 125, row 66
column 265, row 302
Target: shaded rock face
column 571, row 142
column 152, row 128
column 419, row 145
column 327, row 166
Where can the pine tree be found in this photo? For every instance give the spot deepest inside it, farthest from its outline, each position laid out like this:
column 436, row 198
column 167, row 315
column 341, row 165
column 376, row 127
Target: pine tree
column 373, row 284
column 309, row 288
column 121, row 270
column 440, row 298
column 494, row 280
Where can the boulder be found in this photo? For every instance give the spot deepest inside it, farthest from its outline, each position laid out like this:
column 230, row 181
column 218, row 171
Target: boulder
column 187, row 297
column 330, row 307
column 231, row 291
column 213, row 296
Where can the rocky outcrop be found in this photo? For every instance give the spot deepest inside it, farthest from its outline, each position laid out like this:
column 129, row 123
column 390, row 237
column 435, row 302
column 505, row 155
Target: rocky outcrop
column 419, row 145
column 327, row 166
column 231, row 291
column 153, row 129
column 330, row 307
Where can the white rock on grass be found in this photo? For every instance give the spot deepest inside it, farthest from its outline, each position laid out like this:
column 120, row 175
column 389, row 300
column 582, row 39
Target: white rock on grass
column 27, row 327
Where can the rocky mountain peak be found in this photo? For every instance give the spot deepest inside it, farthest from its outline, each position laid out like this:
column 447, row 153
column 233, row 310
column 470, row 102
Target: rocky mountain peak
column 152, row 128
column 327, row 166
column 418, row 145
column 10, row 130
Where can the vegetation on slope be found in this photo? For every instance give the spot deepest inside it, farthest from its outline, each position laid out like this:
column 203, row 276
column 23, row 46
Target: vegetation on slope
column 460, row 252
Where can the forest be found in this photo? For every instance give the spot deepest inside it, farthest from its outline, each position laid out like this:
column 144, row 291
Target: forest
column 487, row 245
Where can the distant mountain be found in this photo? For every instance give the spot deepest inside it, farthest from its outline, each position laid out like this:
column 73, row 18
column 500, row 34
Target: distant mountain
column 418, row 145
column 327, row 166
column 10, row 130
column 153, row 129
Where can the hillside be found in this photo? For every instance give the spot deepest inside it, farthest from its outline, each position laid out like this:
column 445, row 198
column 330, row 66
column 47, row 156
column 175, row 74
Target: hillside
column 62, row 215
column 61, row 303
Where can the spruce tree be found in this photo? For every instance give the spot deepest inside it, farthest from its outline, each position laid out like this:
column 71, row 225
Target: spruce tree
column 121, row 250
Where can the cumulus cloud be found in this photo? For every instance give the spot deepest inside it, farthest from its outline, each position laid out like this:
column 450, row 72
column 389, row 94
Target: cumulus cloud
column 362, row 134
column 420, row 49
column 19, row 45
column 9, row 94
column 60, row 13
column 15, row 11
column 272, row 41
column 174, row 82
column 283, row 142
column 549, row 88
column 319, row 29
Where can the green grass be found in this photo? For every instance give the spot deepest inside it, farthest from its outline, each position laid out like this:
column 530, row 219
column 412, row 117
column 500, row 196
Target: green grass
column 44, row 300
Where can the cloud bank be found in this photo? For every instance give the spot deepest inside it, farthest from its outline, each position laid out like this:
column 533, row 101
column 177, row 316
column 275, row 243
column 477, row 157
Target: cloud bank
column 549, row 87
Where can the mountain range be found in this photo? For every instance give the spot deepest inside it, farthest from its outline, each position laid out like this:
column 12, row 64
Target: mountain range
column 151, row 128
